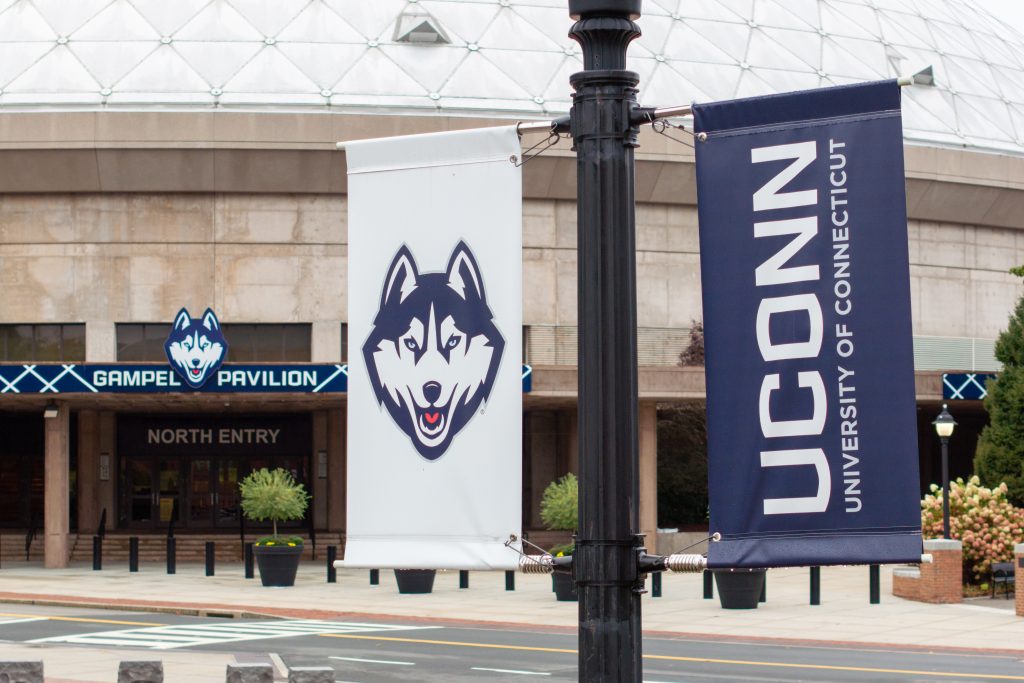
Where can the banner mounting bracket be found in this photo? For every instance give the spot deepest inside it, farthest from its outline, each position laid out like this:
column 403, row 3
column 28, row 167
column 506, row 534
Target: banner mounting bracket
column 545, row 144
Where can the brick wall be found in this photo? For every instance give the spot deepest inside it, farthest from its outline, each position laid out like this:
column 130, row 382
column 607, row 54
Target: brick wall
column 1018, row 553
column 938, row 581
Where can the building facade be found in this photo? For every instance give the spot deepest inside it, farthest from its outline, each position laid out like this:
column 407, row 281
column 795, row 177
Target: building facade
column 143, row 191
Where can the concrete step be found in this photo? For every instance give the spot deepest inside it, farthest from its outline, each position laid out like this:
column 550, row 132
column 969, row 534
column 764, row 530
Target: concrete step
column 189, row 548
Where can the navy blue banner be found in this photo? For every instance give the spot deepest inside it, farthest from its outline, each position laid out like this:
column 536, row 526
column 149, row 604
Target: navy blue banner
column 965, row 386
column 812, row 437
column 65, row 378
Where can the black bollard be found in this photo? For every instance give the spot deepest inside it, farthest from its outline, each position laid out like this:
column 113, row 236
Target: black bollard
column 374, row 577
column 97, row 553
column 463, row 578
column 764, row 589
column 510, row 580
column 133, row 554
column 709, row 585
column 815, row 585
column 332, row 573
column 249, row 559
column 656, row 585
column 875, row 589
column 172, row 555
column 209, row 558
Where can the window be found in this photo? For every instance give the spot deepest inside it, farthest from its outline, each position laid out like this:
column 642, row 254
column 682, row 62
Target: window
column 43, row 342
column 344, row 342
column 268, row 343
column 247, row 343
column 142, row 342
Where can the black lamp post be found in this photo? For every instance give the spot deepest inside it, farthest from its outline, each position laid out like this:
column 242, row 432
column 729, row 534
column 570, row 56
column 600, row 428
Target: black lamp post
column 944, row 424
column 604, row 125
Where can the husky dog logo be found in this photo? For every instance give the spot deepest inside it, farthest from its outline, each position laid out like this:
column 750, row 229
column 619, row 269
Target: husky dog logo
column 196, row 347
column 433, row 352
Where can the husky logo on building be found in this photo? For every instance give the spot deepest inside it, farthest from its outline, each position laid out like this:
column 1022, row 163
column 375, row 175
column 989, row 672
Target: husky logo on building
column 196, row 347
column 433, row 352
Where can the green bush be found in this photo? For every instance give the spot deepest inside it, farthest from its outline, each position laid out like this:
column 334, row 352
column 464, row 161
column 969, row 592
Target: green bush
column 999, row 456
column 273, row 495
column 559, row 509
column 559, row 505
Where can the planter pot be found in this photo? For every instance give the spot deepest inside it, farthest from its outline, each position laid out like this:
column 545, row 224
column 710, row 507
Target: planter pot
column 277, row 563
column 415, row 580
column 739, row 588
column 564, row 587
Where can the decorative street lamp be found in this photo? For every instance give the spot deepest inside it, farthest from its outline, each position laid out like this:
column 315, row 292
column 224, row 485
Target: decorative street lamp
column 944, row 424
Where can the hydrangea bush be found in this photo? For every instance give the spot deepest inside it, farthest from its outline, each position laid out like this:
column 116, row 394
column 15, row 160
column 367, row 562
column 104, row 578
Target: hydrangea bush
column 982, row 518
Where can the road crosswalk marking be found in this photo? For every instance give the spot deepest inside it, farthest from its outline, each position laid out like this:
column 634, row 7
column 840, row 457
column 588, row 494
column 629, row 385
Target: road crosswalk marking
column 194, row 635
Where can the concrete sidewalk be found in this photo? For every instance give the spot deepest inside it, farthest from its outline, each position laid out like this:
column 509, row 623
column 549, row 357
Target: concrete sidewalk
column 844, row 615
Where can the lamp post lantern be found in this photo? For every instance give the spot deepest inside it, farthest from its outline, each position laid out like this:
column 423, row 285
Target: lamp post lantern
column 944, row 425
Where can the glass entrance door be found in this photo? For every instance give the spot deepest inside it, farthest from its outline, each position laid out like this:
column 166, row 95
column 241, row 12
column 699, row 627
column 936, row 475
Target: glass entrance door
column 154, row 487
column 213, row 499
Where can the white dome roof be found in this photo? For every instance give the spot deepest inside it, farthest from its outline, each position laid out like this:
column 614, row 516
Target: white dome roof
column 506, row 57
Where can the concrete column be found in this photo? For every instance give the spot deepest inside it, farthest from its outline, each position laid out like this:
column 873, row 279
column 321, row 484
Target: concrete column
column 648, row 481
column 336, row 460
column 56, row 511
column 1018, row 557
column 326, row 341
column 319, row 486
column 569, row 440
column 101, row 341
column 88, row 471
column 106, row 488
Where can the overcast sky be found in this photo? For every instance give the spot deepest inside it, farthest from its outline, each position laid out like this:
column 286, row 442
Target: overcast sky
column 1010, row 11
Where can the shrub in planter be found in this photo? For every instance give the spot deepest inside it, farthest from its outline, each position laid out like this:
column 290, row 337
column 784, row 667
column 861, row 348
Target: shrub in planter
column 276, row 496
column 559, row 511
column 981, row 518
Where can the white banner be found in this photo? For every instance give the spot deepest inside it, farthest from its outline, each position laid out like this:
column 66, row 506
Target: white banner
column 434, row 361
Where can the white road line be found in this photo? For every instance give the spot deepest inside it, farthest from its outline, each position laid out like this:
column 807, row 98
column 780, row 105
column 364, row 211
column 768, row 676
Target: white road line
column 373, row 661
column 21, row 621
column 511, row 671
column 193, row 635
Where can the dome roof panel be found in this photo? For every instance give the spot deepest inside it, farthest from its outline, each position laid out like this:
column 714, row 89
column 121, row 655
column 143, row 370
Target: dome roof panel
column 806, row 47
column 376, row 74
column 474, row 72
column 269, row 71
column 118, row 21
column 56, row 73
column 553, row 22
column 23, row 23
column 369, row 17
column 510, row 31
column 324, row 63
column 269, row 17
column 509, row 57
column 320, row 24
column 108, row 62
column 468, row 21
column 167, row 17
column 216, row 62
column 64, row 17
column 533, row 71
column 163, row 70
column 853, row 21
column 778, row 15
column 16, row 57
column 218, row 22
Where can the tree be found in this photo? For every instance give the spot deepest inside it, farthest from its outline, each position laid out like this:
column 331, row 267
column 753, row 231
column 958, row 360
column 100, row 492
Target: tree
column 693, row 354
column 1000, row 453
column 273, row 495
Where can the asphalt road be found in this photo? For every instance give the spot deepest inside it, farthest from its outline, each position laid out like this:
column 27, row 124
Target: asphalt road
column 408, row 650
